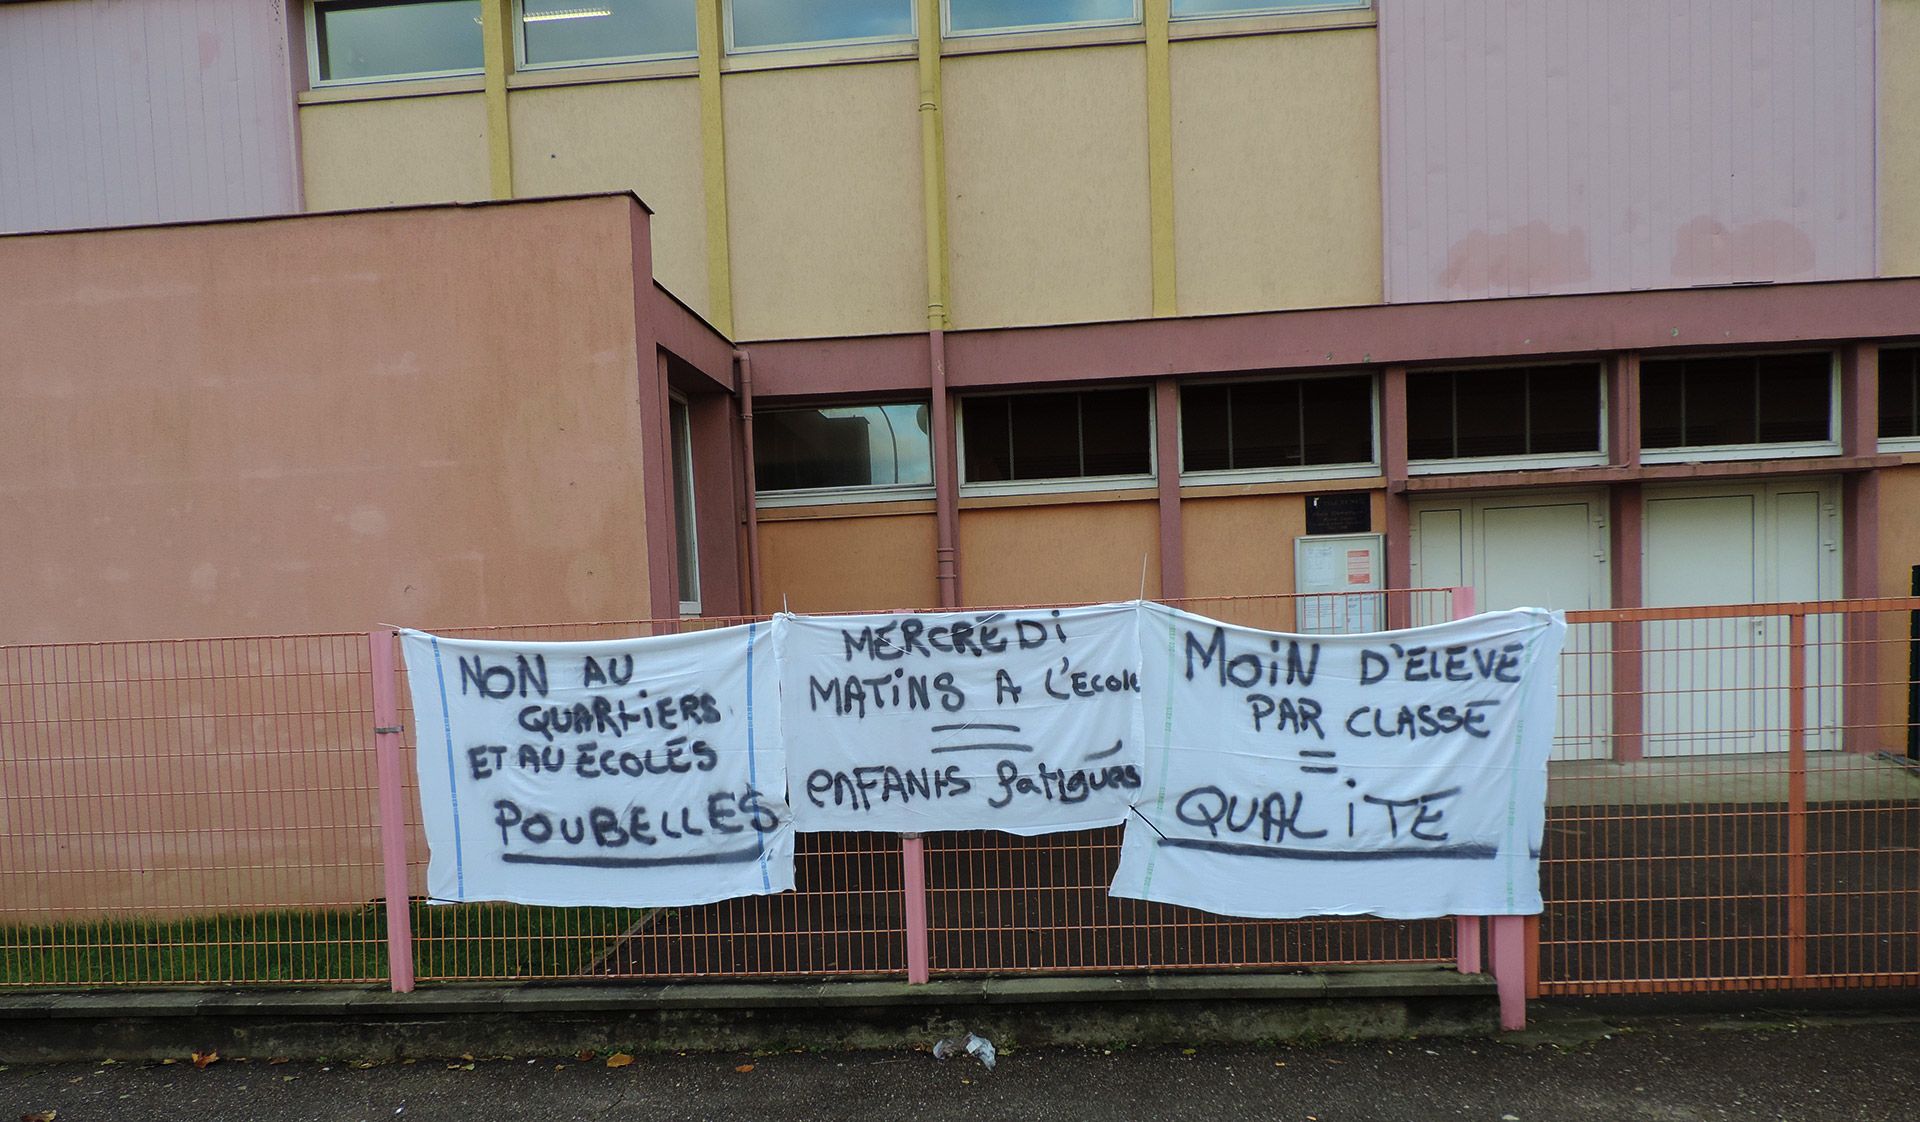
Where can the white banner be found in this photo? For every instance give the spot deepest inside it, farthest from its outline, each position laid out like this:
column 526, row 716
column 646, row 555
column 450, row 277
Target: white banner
column 1399, row 774
column 1021, row 721
column 641, row 772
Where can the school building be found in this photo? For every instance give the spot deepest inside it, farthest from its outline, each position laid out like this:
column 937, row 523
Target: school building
column 905, row 303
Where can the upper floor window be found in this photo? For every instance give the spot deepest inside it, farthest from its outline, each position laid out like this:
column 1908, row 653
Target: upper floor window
column 1777, row 400
column 843, row 451
column 369, row 40
column 986, row 17
column 761, row 25
column 1103, row 435
column 1549, row 414
column 1277, row 424
column 686, row 530
column 562, row 32
column 1208, row 9
column 1900, row 393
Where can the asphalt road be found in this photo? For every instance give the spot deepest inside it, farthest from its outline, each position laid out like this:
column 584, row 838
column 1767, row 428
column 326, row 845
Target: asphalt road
column 1833, row 1068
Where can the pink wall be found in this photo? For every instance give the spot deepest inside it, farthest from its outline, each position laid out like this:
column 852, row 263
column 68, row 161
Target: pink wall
column 1534, row 146
column 116, row 112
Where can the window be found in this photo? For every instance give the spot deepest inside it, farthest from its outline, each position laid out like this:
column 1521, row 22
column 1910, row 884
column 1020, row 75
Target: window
column 843, row 448
column 1736, row 400
column 686, row 534
column 760, row 25
column 365, row 40
column 1900, row 393
column 1093, row 434
column 562, row 32
column 1549, row 413
column 1207, row 9
column 1285, row 423
column 986, row 17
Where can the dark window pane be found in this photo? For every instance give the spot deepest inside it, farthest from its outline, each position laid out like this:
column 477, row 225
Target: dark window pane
column 686, row 536
column 1563, row 410
column 1203, row 428
column 1339, row 420
column 1266, row 424
column 1900, row 392
column 577, row 31
column 1796, row 397
column 1490, row 413
column 784, row 23
column 987, row 448
column 1046, row 435
column 842, row 446
column 1115, row 432
column 1662, row 397
column 1719, row 401
column 374, row 40
column 1429, row 416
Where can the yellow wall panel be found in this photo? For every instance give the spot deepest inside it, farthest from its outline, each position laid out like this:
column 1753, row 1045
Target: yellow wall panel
column 1241, row 546
column 1047, row 186
column 848, row 564
column 1899, row 51
column 823, row 201
column 642, row 137
column 1276, row 156
column 1059, row 554
column 394, row 152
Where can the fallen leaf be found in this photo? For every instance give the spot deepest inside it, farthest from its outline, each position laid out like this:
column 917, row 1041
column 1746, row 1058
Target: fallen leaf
column 619, row 1059
column 966, row 1081
column 1279, row 1063
column 460, row 1067
column 286, row 1079
column 467, row 1056
column 559, row 1067
column 108, row 1062
column 169, row 1061
column 277, row 1059
column 585, row 1054
column 744, row 1068
column 1188, row 1051
column 202, row 1059
column 40, row 1116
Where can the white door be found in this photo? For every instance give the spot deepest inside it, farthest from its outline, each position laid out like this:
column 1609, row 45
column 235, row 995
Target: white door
column 1717, row 686
column 1532, row 550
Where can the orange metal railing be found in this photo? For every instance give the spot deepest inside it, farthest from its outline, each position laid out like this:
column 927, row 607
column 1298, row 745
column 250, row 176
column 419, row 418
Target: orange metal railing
column 1731, row 807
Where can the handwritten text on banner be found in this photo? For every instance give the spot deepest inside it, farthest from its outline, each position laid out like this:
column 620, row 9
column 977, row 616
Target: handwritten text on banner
column 1021, row 721
column 643, row 772
column 1400, row 774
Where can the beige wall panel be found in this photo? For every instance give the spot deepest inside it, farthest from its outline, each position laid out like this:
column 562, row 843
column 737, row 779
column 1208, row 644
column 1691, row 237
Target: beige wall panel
column 1059, row 554
column 1899, row 113
column 642, row 137
column 1241, row 546
column 404, row 150
column 1047, row 186
column 823, row 201
column 316, row 424
column 849, row 564
column 1276, row 157
column 1899, row 553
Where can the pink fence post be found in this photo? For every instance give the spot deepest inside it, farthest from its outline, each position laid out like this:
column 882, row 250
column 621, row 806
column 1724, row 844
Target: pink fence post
column 393, row 816
column 913, row 891
column 1463, row 601
column 1510, row 969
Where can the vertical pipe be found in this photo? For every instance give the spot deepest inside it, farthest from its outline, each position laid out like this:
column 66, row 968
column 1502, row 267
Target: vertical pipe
column 1393, row 465
column 754, row 599
column 913, row 891
column 1627, row 659
column 1797, row 796
column 1913, row 672
column 1466, row 929
column 392, row 782
column 1173, row 544
column 1859, row 542
column 496, row 38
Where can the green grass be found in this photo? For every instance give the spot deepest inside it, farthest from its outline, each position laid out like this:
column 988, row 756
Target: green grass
column 288, row 946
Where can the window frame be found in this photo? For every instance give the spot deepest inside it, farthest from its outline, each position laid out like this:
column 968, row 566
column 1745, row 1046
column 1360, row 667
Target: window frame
column 520, row 62
column 1257, row 9
column 947, row 32
column 1526, row 461
column 1220, row 476
column 1720, row 453
column 867, row 493
column 1058, row 484
column 727, row 46
column 680, row 434
column 1897, row 443
column 313, row 54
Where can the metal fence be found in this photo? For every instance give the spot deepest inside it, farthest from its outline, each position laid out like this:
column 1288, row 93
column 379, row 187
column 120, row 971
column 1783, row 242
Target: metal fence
column 1732, row 806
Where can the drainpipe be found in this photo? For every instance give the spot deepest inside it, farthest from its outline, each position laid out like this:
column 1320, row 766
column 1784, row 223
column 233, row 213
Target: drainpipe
column 744, row 364
column 933, row 184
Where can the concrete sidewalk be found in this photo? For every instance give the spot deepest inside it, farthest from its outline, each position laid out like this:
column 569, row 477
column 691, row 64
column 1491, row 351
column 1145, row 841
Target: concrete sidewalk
column 1573, row 1068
